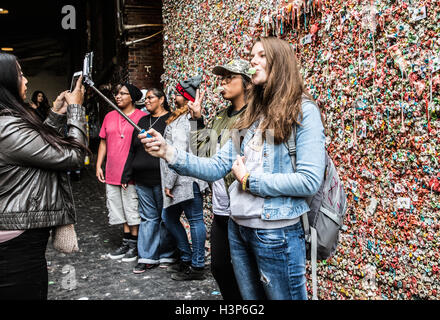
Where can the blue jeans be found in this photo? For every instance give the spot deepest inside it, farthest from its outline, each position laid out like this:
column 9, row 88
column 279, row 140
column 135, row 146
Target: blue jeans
column 155, row 242
column 193, row 210
column 269, row 264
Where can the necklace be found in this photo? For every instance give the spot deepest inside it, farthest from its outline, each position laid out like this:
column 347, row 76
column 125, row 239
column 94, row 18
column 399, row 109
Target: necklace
column 123, row 127
column 151, row 125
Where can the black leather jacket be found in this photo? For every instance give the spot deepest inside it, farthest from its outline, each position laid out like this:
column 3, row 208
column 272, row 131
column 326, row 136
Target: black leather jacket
column 34, row 188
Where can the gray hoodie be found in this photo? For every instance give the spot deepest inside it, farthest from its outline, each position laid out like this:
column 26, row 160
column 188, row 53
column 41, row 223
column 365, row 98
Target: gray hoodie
column 177, row 134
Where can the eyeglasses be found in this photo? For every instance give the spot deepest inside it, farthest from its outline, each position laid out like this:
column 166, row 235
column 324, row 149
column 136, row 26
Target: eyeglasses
column 229, row 77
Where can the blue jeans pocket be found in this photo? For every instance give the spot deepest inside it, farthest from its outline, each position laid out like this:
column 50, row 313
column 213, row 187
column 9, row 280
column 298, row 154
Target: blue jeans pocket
column 271, row 237
column 296, row 238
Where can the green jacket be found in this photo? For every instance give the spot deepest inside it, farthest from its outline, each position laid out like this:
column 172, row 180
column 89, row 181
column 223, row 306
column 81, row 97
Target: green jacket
column 207, row 137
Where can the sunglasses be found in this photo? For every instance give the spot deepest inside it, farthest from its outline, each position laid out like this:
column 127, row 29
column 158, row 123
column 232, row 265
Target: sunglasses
column 228, row 78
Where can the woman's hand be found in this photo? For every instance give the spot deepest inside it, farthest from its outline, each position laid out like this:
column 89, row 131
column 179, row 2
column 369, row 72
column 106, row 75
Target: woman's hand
column 156, row 145
column 77, row 95
column 60, row 104
column 195, row 108
column 168, row 193
column 100, row 175
column 239, row 169
column 124, row 186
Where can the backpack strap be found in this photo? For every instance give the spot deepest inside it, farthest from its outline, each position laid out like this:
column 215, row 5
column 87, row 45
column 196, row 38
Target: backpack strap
column 313, row 254
column 309, row 232
column 291, row 147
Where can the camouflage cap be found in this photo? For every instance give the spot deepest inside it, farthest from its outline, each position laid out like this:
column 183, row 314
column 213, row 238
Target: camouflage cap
column 238, row 66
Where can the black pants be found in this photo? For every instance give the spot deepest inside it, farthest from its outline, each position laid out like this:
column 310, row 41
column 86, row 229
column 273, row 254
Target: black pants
column 221, row 266
column 23, row 266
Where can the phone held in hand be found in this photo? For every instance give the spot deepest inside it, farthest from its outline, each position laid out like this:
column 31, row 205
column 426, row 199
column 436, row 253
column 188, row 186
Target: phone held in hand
column 75, row 78
column 86, row 72
column 88, row 65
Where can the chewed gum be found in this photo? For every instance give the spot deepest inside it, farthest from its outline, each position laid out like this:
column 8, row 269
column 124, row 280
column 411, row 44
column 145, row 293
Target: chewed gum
column 252, row 70
column 219, row 89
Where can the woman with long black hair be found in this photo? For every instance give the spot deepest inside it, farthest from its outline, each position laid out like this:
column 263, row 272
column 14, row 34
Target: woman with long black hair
column 40, row 103
column 34, row 192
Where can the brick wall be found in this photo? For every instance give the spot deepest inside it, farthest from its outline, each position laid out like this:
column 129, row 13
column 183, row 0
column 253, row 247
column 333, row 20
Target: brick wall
column 145, row 59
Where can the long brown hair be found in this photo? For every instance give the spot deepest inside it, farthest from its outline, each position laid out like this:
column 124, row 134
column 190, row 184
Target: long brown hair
column 278, row 101
column 178, row 112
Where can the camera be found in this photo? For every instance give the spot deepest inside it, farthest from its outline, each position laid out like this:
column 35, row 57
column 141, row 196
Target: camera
column 86, row 71
column 88, row 66
column 87, row 79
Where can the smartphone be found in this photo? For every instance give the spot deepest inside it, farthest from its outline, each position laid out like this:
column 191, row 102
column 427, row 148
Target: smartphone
column 75, row 77
column 88, row 65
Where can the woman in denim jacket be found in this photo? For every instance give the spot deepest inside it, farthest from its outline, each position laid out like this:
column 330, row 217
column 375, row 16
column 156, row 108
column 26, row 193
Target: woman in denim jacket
column 267, row 200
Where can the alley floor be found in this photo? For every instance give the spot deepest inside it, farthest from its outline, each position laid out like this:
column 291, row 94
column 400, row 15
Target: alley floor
column 91, row 275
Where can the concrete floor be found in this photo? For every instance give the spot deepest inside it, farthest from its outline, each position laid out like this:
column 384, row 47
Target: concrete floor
column 91, row 275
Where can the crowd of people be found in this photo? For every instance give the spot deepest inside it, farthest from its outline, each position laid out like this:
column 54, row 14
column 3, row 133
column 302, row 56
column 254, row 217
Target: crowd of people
column 257, row 239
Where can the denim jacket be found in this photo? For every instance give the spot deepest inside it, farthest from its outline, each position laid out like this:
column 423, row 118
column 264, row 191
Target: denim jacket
column 284, row 190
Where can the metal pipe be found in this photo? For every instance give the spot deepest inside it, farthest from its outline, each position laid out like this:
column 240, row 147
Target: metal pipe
column 130, row 27
column 119, row 16
column 128, row 43
column 130, row 6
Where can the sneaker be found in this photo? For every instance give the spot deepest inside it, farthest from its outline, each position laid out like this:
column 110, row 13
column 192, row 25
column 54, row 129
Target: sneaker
column 121, row 251
column 189, row 274
column 140, row 268
column 178, row 267
column 166, row 264
column 132, row 252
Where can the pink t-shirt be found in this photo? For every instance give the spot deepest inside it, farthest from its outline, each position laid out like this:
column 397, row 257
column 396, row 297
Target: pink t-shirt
column 117, row 132
column 9, row 235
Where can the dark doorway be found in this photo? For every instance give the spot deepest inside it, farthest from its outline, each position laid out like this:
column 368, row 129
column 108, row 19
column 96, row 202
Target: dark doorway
column 50, row 53
column 33, row 30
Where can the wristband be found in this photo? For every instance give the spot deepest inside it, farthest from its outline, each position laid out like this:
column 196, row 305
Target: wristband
column 244, row 180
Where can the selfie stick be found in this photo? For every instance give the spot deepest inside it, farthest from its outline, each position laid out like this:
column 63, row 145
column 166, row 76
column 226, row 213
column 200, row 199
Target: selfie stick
column 90, row 83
